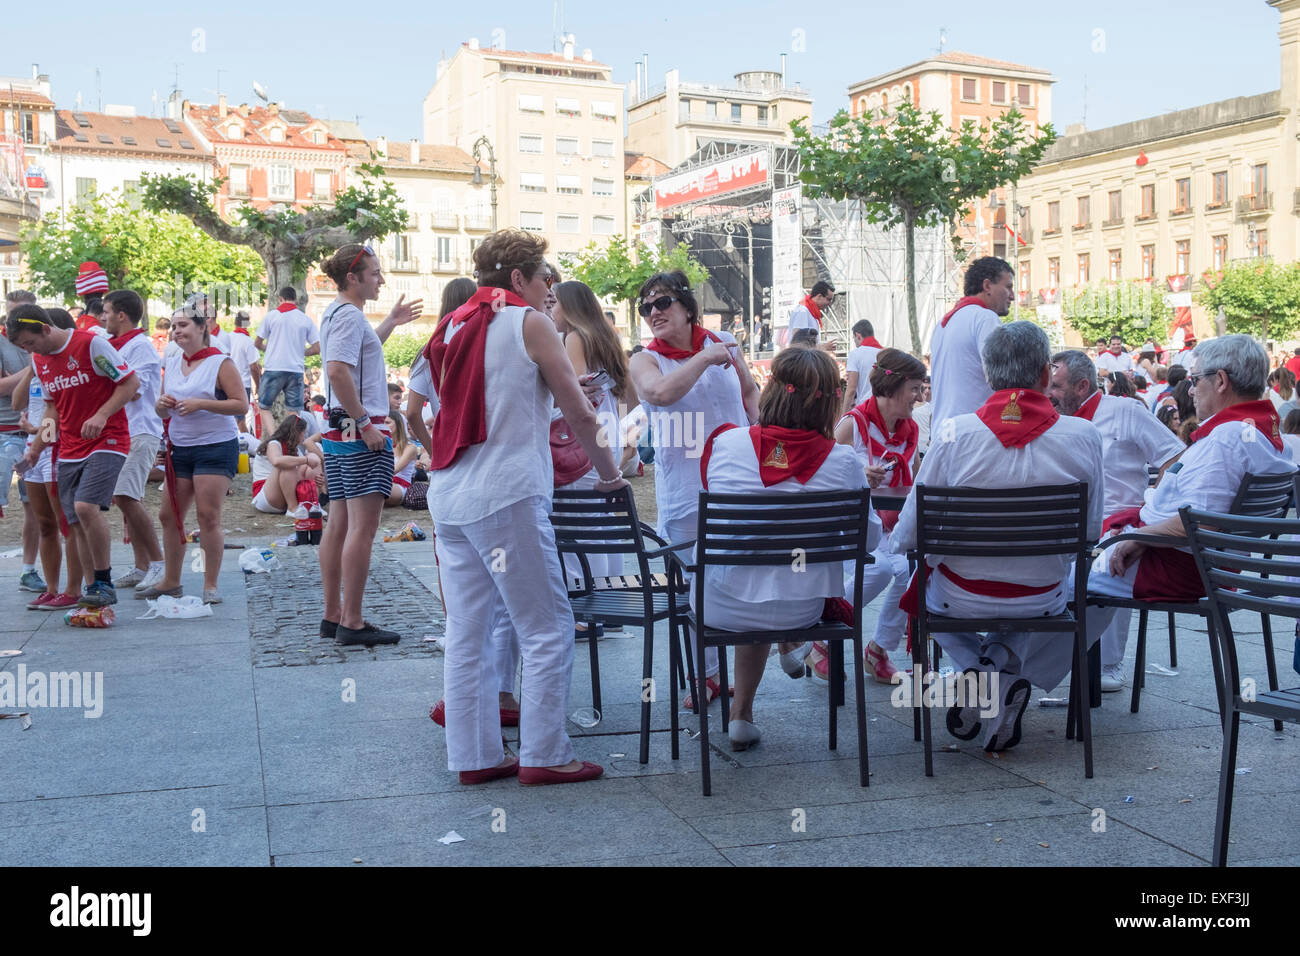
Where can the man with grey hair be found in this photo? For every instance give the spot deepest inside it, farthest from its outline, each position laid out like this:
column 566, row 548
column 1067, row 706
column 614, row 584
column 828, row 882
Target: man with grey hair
column 1016, row 439
column 1132, row 440
column 1239, row 435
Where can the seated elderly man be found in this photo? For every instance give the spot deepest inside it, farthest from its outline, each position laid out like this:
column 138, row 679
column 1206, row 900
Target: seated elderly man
column 1238, row 435
column 1131, row 439
column 1016, row 439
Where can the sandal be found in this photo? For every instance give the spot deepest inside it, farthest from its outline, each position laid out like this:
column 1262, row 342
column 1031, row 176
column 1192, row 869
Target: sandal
column 714, row 688
column 820, row 663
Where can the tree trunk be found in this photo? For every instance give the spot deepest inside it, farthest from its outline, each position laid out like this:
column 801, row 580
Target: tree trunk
column 909, row 258
column 279, row 271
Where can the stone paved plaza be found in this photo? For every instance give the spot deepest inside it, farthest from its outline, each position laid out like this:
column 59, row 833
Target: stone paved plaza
column 232, row 740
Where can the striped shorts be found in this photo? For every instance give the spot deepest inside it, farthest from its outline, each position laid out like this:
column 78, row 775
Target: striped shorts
column 353, row 470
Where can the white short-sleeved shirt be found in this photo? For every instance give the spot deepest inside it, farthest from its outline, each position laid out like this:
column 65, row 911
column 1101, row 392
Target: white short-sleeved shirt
column 861, row 360
column 347, row 337
column 243, row 353
column 141, row 414
column 1131, row 439
column 1108, row 361
column 1210, row 471
column 958, row 385
column 287, row 335
column 969, row 455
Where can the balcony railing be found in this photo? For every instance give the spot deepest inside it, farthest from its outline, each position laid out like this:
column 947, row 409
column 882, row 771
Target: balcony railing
column 1254, row 204
column 477, row 222
column 1111, row 223
column 443, row 220
column 1080, row 226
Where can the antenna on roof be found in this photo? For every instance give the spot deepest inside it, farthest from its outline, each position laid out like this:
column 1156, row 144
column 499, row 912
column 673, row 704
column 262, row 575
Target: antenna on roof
column 943, row 40
column 260, row 90
column 557, row 26
column 1085, row 101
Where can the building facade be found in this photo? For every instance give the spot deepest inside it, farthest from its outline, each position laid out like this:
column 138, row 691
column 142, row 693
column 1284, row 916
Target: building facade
column 555, row 125
column 672, row 121
column 26, row 132
column 1169, row 198
column 268, row 155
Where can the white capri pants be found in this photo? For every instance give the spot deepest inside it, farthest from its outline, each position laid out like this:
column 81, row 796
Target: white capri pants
column 509, row 557
column 888, row 571
column 684, row 529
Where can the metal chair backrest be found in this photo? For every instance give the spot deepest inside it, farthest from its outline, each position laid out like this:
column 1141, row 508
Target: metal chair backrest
column 1246, row 563
column 598, row 522
column 999, row 523
column 768, row 529
column 1265, row 496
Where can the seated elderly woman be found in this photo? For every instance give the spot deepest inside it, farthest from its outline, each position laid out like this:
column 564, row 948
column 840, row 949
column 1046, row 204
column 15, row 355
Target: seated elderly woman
column 790, row 451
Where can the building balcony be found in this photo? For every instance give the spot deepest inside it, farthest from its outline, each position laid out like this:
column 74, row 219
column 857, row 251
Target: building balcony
column 443, row 220
column 1081, row 227
column 1145, row 216
column 1112, row 223
column 1254, row 205
column 1218, row 206
column 446, row 265
column 404, row 265
column 477, row 222
column 1051, row 231
column 1179, row 212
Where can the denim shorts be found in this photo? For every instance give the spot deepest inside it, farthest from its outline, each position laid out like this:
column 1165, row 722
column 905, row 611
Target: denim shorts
column 13, row 445
column 221, row 458
column 273, row 383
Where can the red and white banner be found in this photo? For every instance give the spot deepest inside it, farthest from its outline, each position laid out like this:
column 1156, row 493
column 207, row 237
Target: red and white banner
column 717, row 179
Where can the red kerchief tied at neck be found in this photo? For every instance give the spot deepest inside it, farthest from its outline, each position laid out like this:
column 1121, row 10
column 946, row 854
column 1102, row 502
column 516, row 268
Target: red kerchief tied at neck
column 961, row 304
column 699, row 337
column 1260, row 413
column 812, row 307
column 1017, row 416
column 871, row 341
column 286, row 306
column 118, row 341
column 788, row 453
column 458, row 374
column 201, row 354
column 1089, row 408
column 908, row 434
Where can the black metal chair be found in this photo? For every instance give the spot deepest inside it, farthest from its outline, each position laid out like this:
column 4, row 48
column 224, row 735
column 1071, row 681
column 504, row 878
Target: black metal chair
column 771, row 530
column 1244, row 565
column 1258, row 496
column 997, row 524
column 595, row 522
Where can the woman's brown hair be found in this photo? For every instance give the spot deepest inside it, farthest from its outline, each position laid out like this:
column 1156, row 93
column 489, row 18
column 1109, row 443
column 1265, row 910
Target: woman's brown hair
column 344, row 262
column 289, row 434
column 504, row 251
column 892, row 370
column 587, row 321
column 455, row 294
column 803, row 392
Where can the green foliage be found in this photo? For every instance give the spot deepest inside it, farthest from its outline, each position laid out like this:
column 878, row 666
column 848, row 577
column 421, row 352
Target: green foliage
column 611, row 273
column 155, row 255
column 1136, row 310
column 1260, row 299
column 911, row 169
column 404, row 346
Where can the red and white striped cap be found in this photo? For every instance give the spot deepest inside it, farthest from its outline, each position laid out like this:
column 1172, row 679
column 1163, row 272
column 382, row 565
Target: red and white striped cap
column 91, row 278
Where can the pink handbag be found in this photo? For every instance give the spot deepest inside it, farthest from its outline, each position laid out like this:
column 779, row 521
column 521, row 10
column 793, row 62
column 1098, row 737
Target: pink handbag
column 568, row 459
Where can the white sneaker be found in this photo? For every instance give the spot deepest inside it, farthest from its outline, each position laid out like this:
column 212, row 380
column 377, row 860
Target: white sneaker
column 1113, row 678
column 300, row 513
column 151, row 578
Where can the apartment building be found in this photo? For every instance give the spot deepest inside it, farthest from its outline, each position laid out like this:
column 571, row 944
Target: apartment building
column 26, row 131
column 1168, row 198
column 670, row 122
column 553, row 122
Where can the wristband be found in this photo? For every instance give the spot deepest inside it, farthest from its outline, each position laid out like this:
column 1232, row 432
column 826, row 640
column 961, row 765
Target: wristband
column 363, row 422
column 608, row 481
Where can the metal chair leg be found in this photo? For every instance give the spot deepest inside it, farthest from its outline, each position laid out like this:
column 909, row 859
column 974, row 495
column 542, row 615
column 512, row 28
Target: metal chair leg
column 674, row 667
column 1094, row 672
column 1216, row 660
column 860, row 688
column 1139, row 664
column 647, row 686
column 1173, row 643
column 835, row 667
column 1270, row 661
column 594, row 655
column 700, row 692
column 1086, row 661
column 724, row 691
column 1072, row 705
column 1227, row 779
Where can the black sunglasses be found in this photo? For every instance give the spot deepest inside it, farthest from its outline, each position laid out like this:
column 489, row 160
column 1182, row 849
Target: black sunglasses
column 662, row 303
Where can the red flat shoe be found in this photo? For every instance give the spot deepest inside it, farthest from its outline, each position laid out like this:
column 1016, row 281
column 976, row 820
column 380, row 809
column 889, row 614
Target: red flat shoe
column 438, row 714
column 714, row 687
column 538, row 776
column 489, row 773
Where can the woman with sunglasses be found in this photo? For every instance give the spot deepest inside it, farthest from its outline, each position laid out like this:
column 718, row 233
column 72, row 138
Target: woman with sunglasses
column 691, row 382
column 497, row 365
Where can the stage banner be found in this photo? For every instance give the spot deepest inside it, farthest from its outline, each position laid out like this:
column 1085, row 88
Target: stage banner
column 787, row 253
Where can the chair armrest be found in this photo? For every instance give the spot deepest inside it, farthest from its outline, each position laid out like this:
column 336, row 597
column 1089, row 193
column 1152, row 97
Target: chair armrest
column 668, row 549
column 1154, row 540
column 649, row 532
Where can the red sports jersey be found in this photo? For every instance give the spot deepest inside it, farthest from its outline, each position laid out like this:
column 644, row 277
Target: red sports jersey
column 78, row 379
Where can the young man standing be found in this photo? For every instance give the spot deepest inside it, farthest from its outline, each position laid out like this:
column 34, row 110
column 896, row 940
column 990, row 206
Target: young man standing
column 857, row 367
column 244, row 354
column 957, row 343
column 123, row 310
column 808, row 313
column 87, row 384
column 13, row 442
column 288, row 336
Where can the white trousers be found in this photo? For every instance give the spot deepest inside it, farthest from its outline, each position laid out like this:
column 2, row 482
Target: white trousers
column 1041, row 657
column 1110, row 624
column 505, row 649
column 684, row 529
column 889, row 571
column 508, row 557
column 602, row 565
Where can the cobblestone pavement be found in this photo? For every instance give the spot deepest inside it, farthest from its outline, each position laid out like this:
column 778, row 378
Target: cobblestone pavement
column 284, row 611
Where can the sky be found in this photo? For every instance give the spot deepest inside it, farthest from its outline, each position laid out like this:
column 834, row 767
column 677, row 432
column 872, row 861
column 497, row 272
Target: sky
column 349, row 60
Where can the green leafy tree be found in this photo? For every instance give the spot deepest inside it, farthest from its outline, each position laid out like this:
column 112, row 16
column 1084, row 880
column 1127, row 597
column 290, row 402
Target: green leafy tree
column 404, row 346
column 912, row 170
column 288, row 242
column 1258, row 298
column 614, row 273
column 1136, row 311
column 149, row 253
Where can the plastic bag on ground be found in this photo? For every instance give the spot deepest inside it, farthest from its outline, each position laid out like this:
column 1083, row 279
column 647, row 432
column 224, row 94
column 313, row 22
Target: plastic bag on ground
column 176, row 608
column 258, row 560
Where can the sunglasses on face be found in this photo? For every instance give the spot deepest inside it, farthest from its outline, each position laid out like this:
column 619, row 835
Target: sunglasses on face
column 662, row 304
column 1193, row 379
column 365, row 251
column 549, row 279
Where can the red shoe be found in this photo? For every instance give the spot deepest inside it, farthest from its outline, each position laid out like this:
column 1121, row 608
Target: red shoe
column 61, row 602
column 539, row 776
column 879, row 664
column 438, row 714
column 490, row 773
column 41, row 601
column 714, row 688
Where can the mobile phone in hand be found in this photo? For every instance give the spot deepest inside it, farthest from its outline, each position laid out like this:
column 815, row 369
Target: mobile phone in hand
column 600, row 379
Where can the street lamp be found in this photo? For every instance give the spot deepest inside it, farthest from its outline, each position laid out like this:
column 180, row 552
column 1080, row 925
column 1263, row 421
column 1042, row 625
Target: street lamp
column 481, row 144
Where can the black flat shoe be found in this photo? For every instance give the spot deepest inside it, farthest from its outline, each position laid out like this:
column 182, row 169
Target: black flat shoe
column 366, row 634
column 328, row 629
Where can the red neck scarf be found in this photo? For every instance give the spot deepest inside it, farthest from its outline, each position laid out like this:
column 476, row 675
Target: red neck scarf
column 1261, row 413
column 457, row 369
column 1116, row 352
column 286, row 307
column 201, row 354
column 1089, row 408
column 908, row 434
column 1017, row 416
column 812, row 307
column 870, row 340
column 961, row 304
column 699, row 336
column 240, row 330
column 788, row 453
column 118, row 341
